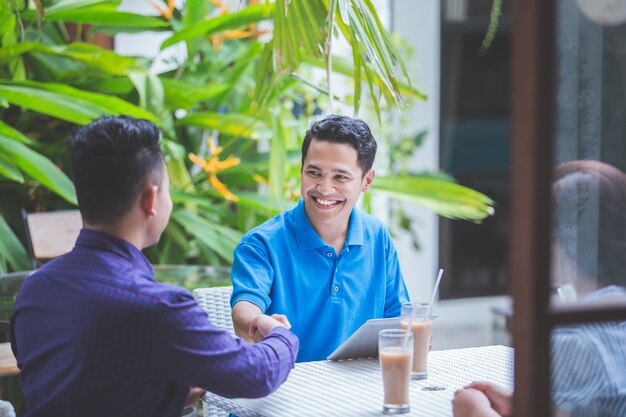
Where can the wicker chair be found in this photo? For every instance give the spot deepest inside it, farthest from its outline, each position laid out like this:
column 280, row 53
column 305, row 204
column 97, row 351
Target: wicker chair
column 216, row 302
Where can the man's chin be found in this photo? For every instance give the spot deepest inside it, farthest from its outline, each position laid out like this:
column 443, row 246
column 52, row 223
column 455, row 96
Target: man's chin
column 152, row 243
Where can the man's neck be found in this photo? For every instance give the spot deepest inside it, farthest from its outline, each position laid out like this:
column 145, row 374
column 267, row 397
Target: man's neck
column 123, row 229
column 333, row 234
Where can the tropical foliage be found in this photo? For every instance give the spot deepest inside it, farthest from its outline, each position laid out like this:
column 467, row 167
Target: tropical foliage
column 233, row 107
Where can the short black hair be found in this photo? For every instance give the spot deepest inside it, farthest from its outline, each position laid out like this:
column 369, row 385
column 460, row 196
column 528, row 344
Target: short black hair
column 112, row 158
column 345, row 130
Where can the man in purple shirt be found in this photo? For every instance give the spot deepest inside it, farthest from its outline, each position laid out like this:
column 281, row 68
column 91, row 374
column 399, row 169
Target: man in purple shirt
column 95, row 335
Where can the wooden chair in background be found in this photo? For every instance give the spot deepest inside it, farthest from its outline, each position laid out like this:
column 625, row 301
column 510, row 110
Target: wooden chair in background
column 51, row 233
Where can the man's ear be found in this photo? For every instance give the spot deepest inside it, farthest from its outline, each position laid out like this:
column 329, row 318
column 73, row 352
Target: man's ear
column 367, row 181
column 149, row 199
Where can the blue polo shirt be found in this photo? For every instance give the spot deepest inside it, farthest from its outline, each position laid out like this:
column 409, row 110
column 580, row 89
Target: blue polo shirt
column 283, row 266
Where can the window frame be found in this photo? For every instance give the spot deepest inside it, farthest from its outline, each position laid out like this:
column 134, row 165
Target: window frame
column 533, row 116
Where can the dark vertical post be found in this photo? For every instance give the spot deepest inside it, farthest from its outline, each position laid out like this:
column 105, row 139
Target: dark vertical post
column 531, row 150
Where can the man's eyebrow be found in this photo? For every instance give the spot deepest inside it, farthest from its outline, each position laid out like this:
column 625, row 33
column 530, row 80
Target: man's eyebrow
column 337, row 170
column 342, row 171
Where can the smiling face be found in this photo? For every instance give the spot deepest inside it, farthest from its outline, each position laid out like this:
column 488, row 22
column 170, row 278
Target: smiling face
column 331, row 183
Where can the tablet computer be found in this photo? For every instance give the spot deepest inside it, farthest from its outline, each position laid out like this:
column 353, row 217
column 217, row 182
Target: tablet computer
column 364, row 342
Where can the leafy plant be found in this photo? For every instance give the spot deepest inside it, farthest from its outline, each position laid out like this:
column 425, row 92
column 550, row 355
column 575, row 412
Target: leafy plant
column 232, row 111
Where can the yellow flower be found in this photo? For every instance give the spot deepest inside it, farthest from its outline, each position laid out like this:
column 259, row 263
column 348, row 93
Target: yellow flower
column 217, row 40
column 212, row 165
column 166, row 13
column 223, row 9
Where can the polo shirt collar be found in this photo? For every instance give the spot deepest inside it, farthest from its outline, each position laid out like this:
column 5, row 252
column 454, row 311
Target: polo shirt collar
column 117, row 246
column 307, row 238
column 355, row 231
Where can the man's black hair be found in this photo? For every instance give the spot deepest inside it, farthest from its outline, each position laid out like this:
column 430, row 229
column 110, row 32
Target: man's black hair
column 344, row 130
column 113, row 158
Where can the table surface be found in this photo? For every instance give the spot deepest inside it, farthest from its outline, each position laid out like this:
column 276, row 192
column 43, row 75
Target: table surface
column 354, row 388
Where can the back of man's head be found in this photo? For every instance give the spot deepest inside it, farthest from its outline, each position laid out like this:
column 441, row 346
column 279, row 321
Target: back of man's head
column 344, row 130
column 113, row 158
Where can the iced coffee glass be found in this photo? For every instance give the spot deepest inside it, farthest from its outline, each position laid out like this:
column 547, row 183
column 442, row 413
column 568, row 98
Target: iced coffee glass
column 395, row 352
column 421, row 325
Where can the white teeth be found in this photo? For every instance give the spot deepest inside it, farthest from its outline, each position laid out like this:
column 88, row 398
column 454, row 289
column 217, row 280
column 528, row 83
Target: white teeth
column 326, row 202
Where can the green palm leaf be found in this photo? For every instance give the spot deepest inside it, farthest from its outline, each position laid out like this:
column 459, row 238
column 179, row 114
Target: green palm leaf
column 103, row 13
column 9, row 132
column 220, row 239
column 229, row 123
column 183, row 95
column 252, row 14
column 9, row 170
column 11, row 249
column 343, row 66
column 444, row 198
column 299, row 27
column 68, row 103
column 52, row 104
column 39, row 168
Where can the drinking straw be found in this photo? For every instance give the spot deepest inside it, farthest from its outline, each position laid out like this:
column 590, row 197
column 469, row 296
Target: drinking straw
column 432, row 298
column 409, row 330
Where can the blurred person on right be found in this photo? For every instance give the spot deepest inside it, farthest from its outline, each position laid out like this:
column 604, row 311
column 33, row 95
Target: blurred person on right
column 588, row 267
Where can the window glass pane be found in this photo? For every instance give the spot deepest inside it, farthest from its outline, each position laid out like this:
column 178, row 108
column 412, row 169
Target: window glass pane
column 589, row 239
column 474, row 144
column 589, row 205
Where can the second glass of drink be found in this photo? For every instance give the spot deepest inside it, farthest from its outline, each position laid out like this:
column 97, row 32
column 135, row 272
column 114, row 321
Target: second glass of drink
column 421, row 324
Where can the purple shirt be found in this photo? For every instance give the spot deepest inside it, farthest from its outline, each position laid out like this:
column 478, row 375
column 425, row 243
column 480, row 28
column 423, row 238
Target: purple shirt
column 95, row 335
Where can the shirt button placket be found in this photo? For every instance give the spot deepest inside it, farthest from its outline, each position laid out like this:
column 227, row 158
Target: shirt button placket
column 335, row 288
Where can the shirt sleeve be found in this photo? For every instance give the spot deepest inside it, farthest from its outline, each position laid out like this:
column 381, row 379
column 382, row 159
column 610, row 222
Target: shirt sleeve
column 190, row 351
column 579, row 374
column 252, row 276
column 396, row 293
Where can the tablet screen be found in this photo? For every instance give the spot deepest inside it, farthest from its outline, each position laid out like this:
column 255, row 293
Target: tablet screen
column 364, row 342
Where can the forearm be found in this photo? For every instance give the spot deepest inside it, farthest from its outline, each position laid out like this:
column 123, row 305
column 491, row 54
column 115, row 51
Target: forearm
column 200, row 355
column 273, row 359
column 243, row 313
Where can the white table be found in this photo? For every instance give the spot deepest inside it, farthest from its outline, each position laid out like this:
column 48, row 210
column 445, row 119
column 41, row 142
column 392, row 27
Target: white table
column 354, row 388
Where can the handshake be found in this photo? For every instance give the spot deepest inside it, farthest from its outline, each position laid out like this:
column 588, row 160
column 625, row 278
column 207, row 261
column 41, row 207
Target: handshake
column 262, row 325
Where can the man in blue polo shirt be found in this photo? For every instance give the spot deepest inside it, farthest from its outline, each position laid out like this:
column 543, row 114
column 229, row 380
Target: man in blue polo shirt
column 324, row 264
